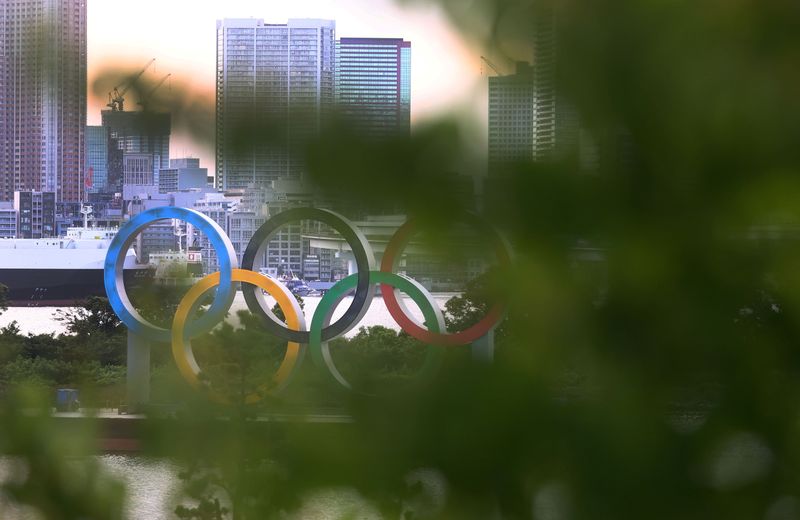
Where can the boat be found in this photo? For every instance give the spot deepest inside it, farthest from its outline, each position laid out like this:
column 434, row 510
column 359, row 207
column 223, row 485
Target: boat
column 296, row 286
column 62, row 271
column 299, row 287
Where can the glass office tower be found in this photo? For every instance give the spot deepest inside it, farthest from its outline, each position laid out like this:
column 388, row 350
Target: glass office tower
column 512, row 128
column 373, row 84
column 96, row 158
column 275, row 85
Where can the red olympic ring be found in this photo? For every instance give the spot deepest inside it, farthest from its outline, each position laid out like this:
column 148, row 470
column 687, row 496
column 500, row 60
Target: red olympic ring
column 401, row 315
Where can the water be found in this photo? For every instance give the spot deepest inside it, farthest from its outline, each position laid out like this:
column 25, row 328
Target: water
column 153, row 487
column 41, row 320
column 153, row 490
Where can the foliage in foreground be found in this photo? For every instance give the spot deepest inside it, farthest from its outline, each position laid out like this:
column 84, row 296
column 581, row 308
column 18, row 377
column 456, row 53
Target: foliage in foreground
column 670, row 393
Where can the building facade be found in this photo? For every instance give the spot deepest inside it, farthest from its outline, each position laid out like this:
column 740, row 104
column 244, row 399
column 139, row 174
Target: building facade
column 96, row 158
column 136, row 134
column 275, row 85
column 557, row 129
column 8, row 220
column 36, row 214
column 137, row 169
column 373, row 84
column 216, row 206
column 182, row 174
column 42, row 97
column 512, row 128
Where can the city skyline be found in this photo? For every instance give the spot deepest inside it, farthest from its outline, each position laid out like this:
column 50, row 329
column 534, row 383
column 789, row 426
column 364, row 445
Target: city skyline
column 445, row 73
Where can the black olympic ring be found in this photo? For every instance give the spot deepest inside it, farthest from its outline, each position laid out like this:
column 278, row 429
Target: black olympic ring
column 365, row 262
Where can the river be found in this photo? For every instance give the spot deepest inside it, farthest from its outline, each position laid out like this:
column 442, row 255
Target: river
column 41, row 320
column 153, row 490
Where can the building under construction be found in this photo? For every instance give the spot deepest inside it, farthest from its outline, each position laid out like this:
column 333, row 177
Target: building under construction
column 138, row 147
column 137, row 142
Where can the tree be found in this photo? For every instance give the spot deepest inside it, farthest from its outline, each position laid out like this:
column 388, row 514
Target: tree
column 96, row 333
column 467, row 309
column 94, row 316
column 3, row 298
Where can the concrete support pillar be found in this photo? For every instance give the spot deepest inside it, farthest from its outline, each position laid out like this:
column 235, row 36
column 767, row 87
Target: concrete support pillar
column 138, row 378
column 352, row 268
column 483, row 348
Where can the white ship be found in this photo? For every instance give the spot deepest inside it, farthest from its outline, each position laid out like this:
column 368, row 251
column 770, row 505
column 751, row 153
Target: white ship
column 62, row 271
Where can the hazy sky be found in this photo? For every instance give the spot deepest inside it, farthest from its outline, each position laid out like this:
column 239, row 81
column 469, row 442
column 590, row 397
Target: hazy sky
column 180, row 34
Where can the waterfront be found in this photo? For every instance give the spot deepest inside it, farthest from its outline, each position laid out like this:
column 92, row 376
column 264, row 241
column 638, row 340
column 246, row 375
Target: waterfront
column 153, row 490
column 42, row 320
column 153, row 487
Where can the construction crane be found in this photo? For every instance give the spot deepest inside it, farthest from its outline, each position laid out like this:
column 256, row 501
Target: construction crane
column 116, row 98
column 146, row 97
column 492, row 65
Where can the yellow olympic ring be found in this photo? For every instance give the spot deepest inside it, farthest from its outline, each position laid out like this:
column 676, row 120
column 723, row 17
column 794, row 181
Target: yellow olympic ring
column 182, row 346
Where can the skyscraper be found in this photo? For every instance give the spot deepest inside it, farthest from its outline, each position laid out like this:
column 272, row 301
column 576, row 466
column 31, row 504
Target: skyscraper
column 557, row 127
column 373, row 84
column 275, row 84
column 42, row 97
column 511, row 118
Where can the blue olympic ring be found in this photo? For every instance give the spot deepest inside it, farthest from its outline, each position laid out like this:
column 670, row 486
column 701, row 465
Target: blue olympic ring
column 115, row 258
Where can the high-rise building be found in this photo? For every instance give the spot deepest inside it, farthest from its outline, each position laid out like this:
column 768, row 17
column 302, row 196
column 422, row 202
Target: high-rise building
column 96, row 158
column 36, row 213
column 275, row 84
column 557, row 128
column 42, row 97
column 135, row 134
column 373, row 84
column 511, row 118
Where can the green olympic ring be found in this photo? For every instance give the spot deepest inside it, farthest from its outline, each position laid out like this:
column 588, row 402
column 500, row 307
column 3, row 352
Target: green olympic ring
column 434, row 320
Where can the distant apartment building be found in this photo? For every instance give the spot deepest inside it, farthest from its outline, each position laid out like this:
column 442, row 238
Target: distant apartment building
column 42, row 97
column 373, row 84
column 512, row 120
column 216, row 206
column 182, row 174
column 241, row 212
column 530, row 118
column 135, row 134
column 8, row 220
column 36, row 214
column 556, row 123
column 558, row 133
column 275, row 85
column 158, row 237
column 242, row 224
column 285, row 250
column 96, row 158
column 311, row 267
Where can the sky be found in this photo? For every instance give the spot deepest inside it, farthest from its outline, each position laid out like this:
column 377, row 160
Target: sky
column 181, row 35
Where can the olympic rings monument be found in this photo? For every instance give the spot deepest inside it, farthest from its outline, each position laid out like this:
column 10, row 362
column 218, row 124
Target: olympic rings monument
column 299, row 335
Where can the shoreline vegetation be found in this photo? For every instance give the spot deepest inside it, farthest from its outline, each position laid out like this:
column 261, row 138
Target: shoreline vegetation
column 90, row 356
